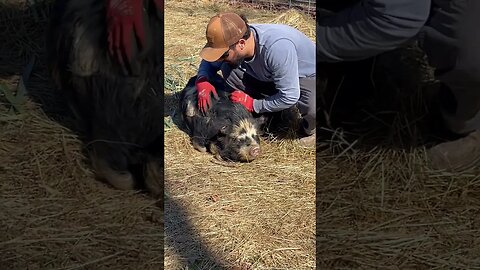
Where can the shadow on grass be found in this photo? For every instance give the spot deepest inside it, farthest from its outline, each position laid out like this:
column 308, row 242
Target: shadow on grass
column 185, row 240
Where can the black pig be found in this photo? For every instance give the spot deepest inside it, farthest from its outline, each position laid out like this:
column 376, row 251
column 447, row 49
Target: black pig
column 119, row 115
column 227, row 130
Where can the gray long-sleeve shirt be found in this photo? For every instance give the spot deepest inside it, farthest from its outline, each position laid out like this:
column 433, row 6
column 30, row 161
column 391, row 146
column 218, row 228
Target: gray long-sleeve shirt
column 368, row 28
column 282, row 55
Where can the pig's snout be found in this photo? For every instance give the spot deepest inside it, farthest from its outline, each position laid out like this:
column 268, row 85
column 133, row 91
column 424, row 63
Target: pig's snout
column 255, row 151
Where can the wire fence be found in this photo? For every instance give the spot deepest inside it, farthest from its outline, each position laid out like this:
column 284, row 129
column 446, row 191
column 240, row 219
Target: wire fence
column 307, row 6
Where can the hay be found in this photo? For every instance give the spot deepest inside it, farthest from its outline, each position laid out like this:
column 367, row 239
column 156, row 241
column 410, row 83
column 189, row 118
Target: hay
column 243, row 216
column 54, row 214
column 384, row 209
column 298, row 20
column 379, row 206
column 253, row 216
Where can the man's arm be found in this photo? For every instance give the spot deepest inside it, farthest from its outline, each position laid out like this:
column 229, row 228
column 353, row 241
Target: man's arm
column 369, row 28
column 208, row 69
column 282, row 60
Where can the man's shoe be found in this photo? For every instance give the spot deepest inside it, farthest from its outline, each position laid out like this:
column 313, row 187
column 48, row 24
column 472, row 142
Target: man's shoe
column 456, row 156
column 308, row 141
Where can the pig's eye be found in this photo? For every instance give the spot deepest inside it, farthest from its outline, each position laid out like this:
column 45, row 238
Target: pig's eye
column 241, row 140
column 244, row 139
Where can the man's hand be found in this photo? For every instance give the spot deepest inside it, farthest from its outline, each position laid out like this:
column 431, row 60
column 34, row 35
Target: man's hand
column 204, row 89
column 125, row 27
column 241, row 97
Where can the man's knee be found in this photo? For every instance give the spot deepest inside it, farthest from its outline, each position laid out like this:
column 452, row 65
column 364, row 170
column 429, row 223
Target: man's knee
column 447, row 37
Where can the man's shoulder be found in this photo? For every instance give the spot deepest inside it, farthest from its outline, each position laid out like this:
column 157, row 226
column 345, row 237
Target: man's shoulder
column 272, row 26
column 271, row 33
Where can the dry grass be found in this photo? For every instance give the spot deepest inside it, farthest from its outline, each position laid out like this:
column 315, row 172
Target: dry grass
column 54, row 214
column 378, row 204
column 253, row 216
column 384, row 209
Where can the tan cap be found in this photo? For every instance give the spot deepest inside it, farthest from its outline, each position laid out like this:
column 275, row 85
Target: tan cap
column 223, row 30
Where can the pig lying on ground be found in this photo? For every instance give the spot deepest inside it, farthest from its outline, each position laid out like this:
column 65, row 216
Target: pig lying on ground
column 227, row 130
column 120, row 116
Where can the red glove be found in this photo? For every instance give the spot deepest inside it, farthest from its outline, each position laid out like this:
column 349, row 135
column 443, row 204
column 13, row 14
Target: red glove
column 240, row 97
column 204, row 89
column 124, row 26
